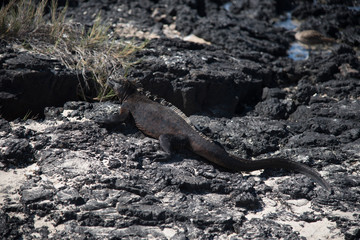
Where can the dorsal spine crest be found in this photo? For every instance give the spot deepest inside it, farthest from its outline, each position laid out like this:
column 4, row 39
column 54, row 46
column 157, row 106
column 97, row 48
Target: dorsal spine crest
column 163, row 102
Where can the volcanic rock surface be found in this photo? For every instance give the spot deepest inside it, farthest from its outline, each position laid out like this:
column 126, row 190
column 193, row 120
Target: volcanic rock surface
column 75, row 175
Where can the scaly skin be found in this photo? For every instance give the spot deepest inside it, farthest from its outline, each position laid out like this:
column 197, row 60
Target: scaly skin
column 172, row 130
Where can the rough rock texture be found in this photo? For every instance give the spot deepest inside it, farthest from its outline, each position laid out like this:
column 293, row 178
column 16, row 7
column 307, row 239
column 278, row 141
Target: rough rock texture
column 74, row 175
column 30, row 82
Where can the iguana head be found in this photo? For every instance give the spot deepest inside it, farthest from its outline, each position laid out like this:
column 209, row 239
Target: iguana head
column 123, row 88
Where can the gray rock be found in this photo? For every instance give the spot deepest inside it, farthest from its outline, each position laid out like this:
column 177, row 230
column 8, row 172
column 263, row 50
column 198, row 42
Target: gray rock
column 21, row 71
column 36, row 194
column 14, row 151
column 78, row 174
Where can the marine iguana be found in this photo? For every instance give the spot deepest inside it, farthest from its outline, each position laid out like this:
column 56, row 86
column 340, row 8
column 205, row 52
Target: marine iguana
column 172, row 128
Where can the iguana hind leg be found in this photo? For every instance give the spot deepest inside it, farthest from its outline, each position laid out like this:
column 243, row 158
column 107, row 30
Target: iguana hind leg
column 170, row 143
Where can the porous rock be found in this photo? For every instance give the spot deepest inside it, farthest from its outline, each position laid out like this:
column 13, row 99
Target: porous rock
column 30, row 82
column 81, row 175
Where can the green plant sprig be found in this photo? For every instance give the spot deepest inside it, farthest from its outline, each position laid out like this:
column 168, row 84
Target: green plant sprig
column 94, row 52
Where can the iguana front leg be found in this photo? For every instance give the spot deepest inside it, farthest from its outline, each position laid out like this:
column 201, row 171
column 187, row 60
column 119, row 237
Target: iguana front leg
column 123, row 114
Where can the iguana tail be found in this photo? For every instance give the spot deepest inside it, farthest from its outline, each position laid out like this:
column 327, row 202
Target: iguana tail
column 249, row 165
column 219, row 156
